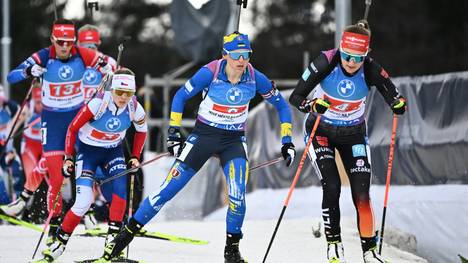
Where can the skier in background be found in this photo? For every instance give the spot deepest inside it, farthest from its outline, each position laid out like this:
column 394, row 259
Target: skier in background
column 31, row 151
column 101, row 126
column 61, row 67
column 227, row 85
column 345, row 76
column 9, row 161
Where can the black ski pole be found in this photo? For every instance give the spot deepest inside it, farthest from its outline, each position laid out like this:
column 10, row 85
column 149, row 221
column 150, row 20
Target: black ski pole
column 19, row 132
column 241, row 4
column 92, row 5
column 47, row 223
column 55, row 9
column 366, row 13
column 131, row 170
column 293, row 185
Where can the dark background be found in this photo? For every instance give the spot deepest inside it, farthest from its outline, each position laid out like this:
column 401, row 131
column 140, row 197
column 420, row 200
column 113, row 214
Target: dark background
column 413, row 37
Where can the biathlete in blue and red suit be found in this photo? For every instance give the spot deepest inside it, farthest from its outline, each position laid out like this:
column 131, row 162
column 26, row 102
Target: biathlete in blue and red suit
column 100, row 127
column 61, row 67
column 89, row 37
column 345, row 76
column 227, row 85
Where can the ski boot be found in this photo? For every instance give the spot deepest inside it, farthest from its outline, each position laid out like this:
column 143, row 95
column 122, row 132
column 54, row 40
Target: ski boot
column 335, row 252
column 371, row 256
column 53, row 227
column 56, row 248
column 90, row 221
column 114, row 248
column 17, row 207
column 231, row 250
column 112, row 231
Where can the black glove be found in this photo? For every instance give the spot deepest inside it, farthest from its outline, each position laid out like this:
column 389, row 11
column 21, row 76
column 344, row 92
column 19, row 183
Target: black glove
column 174, row 141
column 68, row 167
column 306, row 106
column 320, row 106
column 289, row 152
column 317, row 105
column 399, row 106
column 132, row 163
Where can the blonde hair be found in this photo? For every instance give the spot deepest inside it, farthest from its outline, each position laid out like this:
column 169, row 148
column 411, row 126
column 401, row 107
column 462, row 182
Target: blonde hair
column 88, row 27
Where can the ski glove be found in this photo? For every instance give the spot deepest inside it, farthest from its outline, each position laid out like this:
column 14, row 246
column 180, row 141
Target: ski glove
column 104, row 66
column 320, row 106
column 289, row 152
column 399, row 106
column 35, row 71
column 174, row 141
column 9, row 157
column 68, row 167
column 132, row 163
column 316, row 105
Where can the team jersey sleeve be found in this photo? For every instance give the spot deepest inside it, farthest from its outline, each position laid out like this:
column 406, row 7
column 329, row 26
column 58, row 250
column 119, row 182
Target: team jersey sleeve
column 312, row 76
column 84, row 115
column 139, row 121
column 378, row 77
column 19, row 73
column 193, row 86
column 112, row 62
column 89, row 56
column 270, row 93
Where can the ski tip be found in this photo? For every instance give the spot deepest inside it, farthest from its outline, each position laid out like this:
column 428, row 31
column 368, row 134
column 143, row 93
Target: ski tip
column 118, row 260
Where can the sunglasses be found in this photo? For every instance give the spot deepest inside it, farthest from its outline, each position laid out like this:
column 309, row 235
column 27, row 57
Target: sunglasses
column 120, row 92
column 63, row 43
column 237, row 54
column 356, row 58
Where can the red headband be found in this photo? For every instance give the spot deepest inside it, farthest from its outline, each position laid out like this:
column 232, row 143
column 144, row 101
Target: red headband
column 89, row 36
column 63, row 32
column 354, row 41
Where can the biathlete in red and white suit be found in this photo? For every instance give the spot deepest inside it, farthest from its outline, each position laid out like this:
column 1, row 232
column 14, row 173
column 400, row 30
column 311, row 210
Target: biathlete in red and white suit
column 89, row 37
column 31, row 152
column 101, row 126
column 31, row 146
column 61, row 67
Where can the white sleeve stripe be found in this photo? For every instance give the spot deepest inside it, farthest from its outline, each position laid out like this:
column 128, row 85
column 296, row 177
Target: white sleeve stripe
column 188, row 86
column 139, row 113
column 141, row 127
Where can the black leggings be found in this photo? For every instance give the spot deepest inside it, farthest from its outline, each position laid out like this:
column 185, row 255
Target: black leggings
column 351, row 142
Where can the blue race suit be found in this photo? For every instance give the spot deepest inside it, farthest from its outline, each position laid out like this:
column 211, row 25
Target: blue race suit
column 219, row 131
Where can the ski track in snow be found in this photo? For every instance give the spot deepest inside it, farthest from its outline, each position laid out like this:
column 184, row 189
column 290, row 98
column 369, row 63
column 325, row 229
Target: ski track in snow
column 294, row 243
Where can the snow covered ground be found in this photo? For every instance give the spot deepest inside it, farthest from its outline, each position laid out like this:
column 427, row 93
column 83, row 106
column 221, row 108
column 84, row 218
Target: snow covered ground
column 436, row 215
column 294, row 243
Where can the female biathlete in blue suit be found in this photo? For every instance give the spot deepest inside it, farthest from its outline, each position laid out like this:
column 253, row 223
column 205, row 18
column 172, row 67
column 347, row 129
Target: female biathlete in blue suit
column 228, row 85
